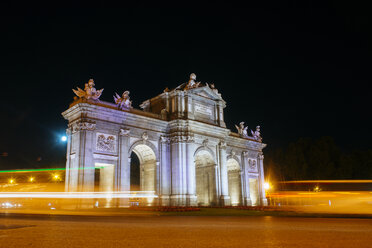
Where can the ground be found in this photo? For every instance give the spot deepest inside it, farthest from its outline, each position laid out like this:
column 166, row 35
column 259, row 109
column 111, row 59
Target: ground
column 182, row 231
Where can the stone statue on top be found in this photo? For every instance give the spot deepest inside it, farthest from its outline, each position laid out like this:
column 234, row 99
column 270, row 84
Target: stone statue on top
column 192, row 84
column 242, row 130
column 89, row 91
column 257, row 134
column 124, row 101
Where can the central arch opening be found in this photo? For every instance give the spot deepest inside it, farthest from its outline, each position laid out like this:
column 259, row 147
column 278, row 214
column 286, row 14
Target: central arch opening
column 205, row 173
column 233, row 170
column 143, row 170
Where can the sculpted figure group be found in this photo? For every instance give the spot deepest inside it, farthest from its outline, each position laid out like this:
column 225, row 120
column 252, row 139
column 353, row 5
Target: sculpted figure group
column 243, row 132
column 90, row 93
column 123, row 102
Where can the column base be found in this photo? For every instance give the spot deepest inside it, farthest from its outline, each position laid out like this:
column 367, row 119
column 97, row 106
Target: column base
column 247, row 201
column 264, row 202
column 164, row 200
column 225, row 200
column 178, row 200
column 191, row 200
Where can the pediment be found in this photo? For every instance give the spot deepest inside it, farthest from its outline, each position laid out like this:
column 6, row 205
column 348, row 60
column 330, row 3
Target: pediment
column 207, row 92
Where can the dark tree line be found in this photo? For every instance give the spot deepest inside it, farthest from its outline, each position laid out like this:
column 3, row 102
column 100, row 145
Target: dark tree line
column 321, row 158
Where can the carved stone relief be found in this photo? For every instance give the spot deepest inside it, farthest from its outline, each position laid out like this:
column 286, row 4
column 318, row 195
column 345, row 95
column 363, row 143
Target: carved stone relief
column 252, row 163
column 106, row 142
column 83, row 125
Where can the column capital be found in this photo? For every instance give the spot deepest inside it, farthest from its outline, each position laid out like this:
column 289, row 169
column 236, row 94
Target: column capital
column 124, row 131
column 164, row 139
column 68, row 131
column 261, row 156
column 222, row 144
column 182, row 139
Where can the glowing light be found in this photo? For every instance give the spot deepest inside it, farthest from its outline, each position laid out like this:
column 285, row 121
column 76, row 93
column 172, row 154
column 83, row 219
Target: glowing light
column 11, row 181
column 98, row 195
column 32, row 179
column 63, row 138
column 267, row 186
column 56, row 177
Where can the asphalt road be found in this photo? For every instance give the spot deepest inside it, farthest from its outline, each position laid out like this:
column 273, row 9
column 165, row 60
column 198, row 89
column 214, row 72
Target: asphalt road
column 183, row 231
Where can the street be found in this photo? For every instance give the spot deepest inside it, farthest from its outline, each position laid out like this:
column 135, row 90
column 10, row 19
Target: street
column 183, row 231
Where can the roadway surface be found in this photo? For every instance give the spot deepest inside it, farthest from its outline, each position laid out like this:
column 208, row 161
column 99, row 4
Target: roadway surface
column 183, row 231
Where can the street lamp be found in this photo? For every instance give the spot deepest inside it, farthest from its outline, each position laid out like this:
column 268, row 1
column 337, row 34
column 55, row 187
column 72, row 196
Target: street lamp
column 64, row 138
column 267, row 186
column 56, row 177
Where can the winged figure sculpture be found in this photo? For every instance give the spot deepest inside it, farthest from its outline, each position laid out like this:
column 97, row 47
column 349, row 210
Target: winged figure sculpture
column 89, row 91
column 123, row 102
column 243, row 131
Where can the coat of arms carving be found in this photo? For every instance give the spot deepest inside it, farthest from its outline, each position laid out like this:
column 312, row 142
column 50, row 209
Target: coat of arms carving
column 252, row 164
column 106, row 142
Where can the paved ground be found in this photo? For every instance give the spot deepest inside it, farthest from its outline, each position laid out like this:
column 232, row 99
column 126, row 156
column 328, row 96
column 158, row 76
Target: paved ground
column 183, row 231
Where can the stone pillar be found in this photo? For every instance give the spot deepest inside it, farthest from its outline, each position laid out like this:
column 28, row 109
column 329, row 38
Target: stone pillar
column 73, row 178
column 81, row 165
column 241, row 200
column 191, row 198
column 262, row 180
column 188, row 104
column 177, row 197
column 224, row 198
column 245, row 180
column 122, row 172
column 85, row 156
column 221, row 121
column 165, row 172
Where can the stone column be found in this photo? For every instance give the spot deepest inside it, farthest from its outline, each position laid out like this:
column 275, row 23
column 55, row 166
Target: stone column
column 190, row 112
column 221, row 121
column 73, row 178
column 165, row 171
column 262, row 180
column 241, row 200
column 85, row 156
column 224, row 198
column 81, row 171
column 178, row 198
column 191, row 198
column 122, row 172
column 245, row 179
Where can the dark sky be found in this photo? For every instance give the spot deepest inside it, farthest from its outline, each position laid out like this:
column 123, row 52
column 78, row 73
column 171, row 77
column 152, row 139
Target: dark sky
column 296, row 70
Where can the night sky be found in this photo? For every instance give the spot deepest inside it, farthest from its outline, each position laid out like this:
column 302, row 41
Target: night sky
column 295, row 70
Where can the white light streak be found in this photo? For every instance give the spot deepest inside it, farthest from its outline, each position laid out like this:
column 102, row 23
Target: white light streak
column 121, row 194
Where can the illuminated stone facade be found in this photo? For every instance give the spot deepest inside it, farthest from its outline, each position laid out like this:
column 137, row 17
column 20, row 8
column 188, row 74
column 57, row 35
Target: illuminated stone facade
column 187, row 155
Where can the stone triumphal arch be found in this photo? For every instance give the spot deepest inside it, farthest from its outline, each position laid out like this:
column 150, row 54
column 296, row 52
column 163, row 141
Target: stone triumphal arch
column 187, row 156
